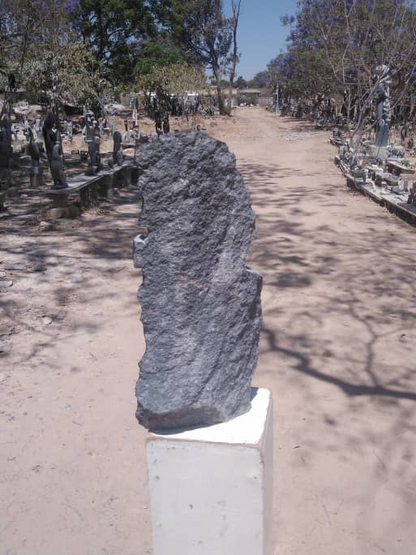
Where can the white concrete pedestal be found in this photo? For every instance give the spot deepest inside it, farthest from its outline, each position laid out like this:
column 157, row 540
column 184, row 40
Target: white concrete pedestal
column 211, row 488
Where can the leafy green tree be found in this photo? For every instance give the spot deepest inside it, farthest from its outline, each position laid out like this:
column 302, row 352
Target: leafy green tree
column 203, row 33
column 334, row 47
column 116, row 31
column 167, row 86
column 34, row 33
column 241, row 83
column 28, row 27
column 66, row 74
column 43, row 54
column 261, row 80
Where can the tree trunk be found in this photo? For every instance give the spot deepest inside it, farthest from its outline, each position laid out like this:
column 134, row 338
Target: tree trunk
column 236, row 15
column 221, row 105
column 220, row 99
column 230, row 91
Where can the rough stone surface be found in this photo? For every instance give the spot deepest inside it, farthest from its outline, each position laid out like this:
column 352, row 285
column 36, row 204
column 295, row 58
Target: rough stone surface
column 201, row 308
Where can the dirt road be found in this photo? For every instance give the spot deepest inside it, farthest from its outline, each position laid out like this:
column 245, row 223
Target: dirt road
column 338, row 351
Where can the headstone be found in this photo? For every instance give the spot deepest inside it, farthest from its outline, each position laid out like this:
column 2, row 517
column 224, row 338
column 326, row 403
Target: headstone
column 201, row 308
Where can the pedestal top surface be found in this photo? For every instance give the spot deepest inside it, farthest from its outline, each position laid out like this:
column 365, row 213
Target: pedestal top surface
column 245, row 429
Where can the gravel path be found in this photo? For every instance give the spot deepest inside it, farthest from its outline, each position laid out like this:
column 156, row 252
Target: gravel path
column 338, row 351
column 338, row 346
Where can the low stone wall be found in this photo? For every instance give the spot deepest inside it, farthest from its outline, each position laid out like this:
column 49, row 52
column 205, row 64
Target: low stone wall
column 88, row 190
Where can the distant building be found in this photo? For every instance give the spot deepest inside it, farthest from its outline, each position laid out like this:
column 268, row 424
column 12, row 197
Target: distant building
column 244, row 97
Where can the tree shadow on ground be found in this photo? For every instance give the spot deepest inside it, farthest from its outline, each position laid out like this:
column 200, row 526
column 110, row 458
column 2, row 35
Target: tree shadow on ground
column 63, row 270
column 339, row 310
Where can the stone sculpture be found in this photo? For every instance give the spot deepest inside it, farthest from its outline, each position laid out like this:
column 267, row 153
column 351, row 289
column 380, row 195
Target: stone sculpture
column 36, row 174
column 38, row 126
column 6, row 149
column 57, row 168
column 94, row 156
column 201, row 308
column 166, row 125
column 32, row 147
column 70, row 130
column 117, row 140
column 49, row 135
column 382, row 102
column 89, row 126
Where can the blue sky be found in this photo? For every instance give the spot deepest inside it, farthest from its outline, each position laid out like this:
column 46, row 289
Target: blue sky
column 261, row 34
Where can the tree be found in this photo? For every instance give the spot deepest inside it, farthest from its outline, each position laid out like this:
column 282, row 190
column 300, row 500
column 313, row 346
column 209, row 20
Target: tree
column 28, row 26
column 261, row 80
column 235, row 56
column 31, row 30
column 168, row 86
column 64, row 74
column 241, row 83
column 203, row 33
column 334, row 48
column 116, row 31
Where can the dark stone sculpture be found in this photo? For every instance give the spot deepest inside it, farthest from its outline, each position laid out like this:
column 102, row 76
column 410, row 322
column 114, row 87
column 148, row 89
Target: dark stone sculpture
column 33, row 148
column 57, row 168
column 6, row 149
column 382, row 101
column 89, row 126
column 166, row 125
column 49, row 135
column 36, row 172
column 201, row 308
column 158, row 123
column 94, row 156
column 117, row 140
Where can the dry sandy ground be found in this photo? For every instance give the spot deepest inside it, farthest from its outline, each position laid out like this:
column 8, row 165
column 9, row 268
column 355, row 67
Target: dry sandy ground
column 338, row 351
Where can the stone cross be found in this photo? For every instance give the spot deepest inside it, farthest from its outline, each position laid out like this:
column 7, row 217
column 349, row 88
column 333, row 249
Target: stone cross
column 201, row 308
